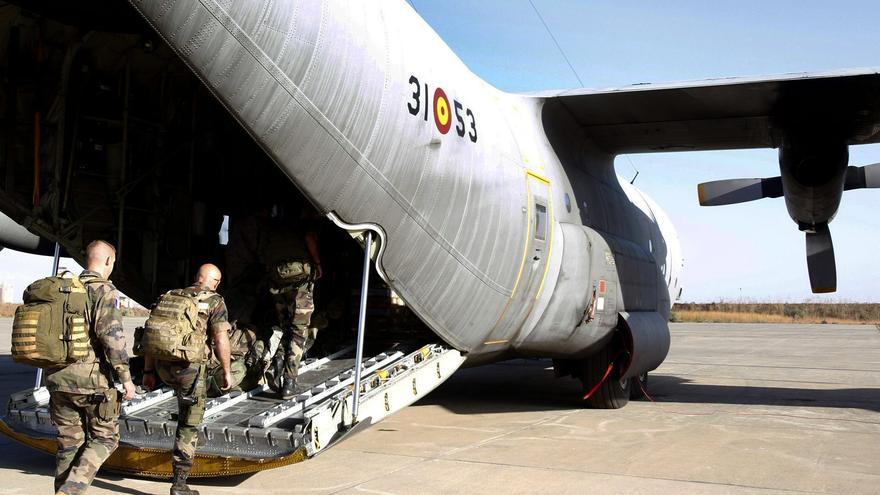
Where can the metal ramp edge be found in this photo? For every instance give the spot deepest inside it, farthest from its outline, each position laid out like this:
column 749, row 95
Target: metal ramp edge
column 391, row 381
column 383, row 392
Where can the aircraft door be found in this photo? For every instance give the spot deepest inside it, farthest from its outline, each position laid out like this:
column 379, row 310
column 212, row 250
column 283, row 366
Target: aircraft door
column 541, row 230
column 533, row 270
column 539, row 236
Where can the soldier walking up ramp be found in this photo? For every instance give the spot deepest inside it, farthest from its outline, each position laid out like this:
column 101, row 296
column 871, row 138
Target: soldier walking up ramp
column 251, row 431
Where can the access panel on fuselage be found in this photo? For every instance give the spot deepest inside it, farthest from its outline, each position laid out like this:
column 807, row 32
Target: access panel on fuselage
column 538, row 229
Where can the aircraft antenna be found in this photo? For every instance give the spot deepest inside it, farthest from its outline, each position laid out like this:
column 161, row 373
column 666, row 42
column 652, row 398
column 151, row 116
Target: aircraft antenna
column 561, row 51
column 631, row 164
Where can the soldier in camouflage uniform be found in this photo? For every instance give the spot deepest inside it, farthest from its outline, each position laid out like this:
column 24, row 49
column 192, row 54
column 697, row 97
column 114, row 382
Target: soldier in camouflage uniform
column 247, row 364
column 292, row 250
column 188, row 380
column 81, row 396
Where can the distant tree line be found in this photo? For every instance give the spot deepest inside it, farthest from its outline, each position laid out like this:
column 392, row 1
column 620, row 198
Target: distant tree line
column 779, row 312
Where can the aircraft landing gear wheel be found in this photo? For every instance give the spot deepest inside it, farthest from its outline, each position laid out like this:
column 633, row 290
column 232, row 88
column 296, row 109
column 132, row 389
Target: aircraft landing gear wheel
column 636, row 392
column 614, row 392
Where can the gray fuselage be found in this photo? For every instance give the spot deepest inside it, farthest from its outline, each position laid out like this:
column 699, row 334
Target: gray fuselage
column 506, row 234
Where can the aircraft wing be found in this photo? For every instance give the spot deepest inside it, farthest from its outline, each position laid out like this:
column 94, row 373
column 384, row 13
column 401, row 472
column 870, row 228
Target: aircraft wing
column 729, row 113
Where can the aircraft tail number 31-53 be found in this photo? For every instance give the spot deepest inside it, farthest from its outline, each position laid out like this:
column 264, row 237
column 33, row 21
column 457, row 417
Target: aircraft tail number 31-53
column 443, row 110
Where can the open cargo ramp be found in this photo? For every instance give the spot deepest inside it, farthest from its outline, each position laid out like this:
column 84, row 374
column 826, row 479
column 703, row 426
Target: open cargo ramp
column 252, row 431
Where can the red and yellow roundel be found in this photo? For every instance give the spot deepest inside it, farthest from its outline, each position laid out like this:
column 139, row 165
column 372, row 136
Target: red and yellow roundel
column 442, row 116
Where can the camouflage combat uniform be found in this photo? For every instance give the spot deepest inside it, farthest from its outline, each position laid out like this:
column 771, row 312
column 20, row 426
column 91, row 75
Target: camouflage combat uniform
column 295, row 306
column 82, row 399
column 294, row 303
column 188, row 381
column 246, row 362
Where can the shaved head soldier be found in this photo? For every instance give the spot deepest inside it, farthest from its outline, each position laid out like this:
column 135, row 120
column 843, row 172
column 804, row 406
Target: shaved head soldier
column 82, row 397
column 183, row 368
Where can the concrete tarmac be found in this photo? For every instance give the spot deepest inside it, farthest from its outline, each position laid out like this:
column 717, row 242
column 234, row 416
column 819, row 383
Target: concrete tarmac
column 739, row 409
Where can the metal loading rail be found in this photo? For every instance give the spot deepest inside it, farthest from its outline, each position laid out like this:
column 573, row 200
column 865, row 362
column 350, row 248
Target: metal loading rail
column 254, row 430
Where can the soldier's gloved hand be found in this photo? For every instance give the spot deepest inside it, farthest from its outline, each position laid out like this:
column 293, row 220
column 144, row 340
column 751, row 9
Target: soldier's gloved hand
column 149, row 381
column 129, row 390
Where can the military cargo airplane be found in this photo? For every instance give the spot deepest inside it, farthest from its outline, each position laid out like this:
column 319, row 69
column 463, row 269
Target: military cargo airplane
column 501, row 222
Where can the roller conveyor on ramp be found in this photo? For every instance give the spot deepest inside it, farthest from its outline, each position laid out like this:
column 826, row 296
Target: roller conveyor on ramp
column 252, row 431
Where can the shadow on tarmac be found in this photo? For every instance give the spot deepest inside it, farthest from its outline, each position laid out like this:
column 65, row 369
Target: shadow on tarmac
column 510, row 386
column 530, row 385
column 669, row 388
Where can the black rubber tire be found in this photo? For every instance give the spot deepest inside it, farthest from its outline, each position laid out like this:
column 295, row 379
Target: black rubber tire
column 614, row 393
column 635, row 392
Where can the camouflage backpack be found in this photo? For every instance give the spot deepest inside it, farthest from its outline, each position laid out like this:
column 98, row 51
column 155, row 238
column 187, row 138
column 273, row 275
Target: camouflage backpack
column 49, row 329
column 287, row 257
column 290, row 272
column 242, row 340
column 172, row 331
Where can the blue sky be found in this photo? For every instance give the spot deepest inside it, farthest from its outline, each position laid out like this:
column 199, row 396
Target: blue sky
column 751, row 251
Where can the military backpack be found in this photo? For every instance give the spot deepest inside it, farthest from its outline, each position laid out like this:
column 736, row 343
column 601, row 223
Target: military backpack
column 172, row 332
column 287, row 257
column 290, row 272
column 49, row 330
column 241, row 340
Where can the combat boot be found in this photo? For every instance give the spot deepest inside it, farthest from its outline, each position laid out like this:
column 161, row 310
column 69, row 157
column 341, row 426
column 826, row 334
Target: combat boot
column 179, row 486
column 289, row 390
column 275, row 374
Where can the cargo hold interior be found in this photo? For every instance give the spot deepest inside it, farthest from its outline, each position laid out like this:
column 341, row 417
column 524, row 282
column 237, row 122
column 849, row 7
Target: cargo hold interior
column 105, row 133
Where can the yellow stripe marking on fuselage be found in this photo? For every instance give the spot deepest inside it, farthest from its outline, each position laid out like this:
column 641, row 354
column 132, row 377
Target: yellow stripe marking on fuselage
column 528, row 238
column 525, row 254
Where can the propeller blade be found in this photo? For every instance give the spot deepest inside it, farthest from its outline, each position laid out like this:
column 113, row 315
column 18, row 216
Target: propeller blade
column 820, row 261
column 867, row 177
column 731, row 191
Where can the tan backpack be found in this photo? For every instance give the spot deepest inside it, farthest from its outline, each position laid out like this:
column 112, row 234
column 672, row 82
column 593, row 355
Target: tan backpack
column 242, row 338
column 49, row 330
column 172, row 331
